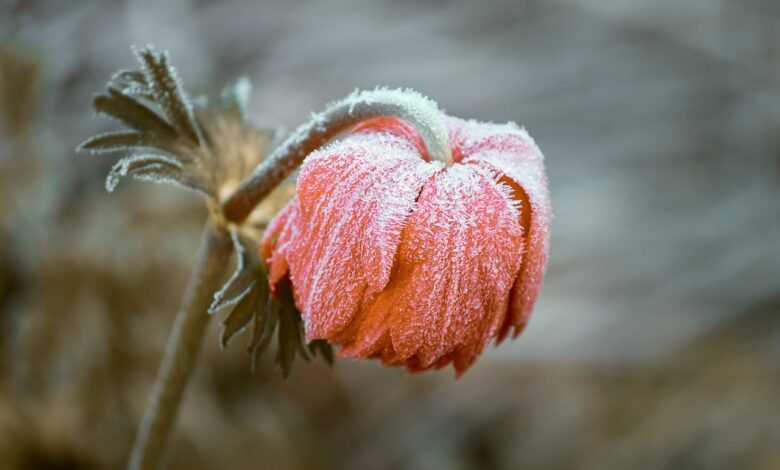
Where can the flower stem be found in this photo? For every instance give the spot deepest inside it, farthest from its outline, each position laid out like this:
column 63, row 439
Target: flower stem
column 181, row 352
column 338, row 117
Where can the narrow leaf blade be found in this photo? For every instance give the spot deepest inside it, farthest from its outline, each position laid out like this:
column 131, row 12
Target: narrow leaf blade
column 239, row 318
column 132, row 113
column 168, row 93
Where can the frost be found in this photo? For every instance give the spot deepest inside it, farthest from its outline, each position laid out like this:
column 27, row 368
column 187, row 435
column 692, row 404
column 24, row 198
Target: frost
column 112, row 142
column 166, row 88
column 150, row 167
column 410, row 105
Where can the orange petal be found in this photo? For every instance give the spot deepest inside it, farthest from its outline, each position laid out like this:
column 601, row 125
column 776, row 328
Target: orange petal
column 276, row 241
column 512, row 155
column 455, row 267
column 353, row 199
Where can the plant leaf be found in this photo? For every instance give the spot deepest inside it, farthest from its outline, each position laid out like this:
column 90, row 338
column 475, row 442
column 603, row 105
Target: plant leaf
column 249, row 274
column 145, row 167
column 116, row 141
column 263, row 330
column 320, row 347
column 285, row 354
column 240, row 282
column 168, row 93
column 239, row 317
column 132, row 113
column 291, row 342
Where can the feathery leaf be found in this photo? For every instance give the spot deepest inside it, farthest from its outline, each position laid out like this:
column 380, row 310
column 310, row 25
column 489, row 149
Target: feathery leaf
column 148, row 166
column 167, row 90
column 132, row 113
column 240, row 282
column 116, row 141
column 285, row 353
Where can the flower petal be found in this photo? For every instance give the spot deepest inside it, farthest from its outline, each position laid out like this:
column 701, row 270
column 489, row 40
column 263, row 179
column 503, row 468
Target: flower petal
column 353, row 198
column 449, row 290
column 276, row 241
column 512, row 154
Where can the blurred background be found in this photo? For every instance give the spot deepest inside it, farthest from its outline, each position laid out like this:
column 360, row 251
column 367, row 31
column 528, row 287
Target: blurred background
column 656, row 341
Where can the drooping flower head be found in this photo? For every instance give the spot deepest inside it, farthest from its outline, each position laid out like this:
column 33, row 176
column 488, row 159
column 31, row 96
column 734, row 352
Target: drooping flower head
column 419, row 263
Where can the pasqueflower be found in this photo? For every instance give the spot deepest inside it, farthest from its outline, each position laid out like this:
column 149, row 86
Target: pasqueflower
column 415, row 262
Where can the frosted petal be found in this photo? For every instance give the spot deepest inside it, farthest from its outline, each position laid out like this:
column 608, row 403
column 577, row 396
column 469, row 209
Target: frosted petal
column 455, row 267
column 512, row 155
column 353, row 198
column 276, row 242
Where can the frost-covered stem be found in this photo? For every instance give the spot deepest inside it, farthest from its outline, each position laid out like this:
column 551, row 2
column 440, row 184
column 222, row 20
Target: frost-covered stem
column 409, row 105
column 181, row 352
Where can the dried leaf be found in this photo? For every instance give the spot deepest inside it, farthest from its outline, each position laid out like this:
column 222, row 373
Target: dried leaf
column 132, row 113
column 148, row 166
column 167, row 90
column 117, row 141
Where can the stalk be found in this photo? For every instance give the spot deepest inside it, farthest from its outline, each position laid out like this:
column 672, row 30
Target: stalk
column 338, row 117
column 182, row 350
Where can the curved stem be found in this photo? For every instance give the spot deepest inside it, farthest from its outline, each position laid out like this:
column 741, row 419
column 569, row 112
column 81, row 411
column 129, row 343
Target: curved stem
column 182, row 350
column 359, row 106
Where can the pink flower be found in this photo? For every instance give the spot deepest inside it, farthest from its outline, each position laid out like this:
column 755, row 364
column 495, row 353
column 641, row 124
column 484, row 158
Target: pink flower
column 417, row 263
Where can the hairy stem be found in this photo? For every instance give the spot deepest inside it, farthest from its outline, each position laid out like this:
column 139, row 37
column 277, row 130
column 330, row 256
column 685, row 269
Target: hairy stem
column 182, row 350
column 406, row 104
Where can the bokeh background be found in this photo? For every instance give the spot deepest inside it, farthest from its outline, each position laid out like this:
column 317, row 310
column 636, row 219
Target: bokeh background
column 656, row 341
